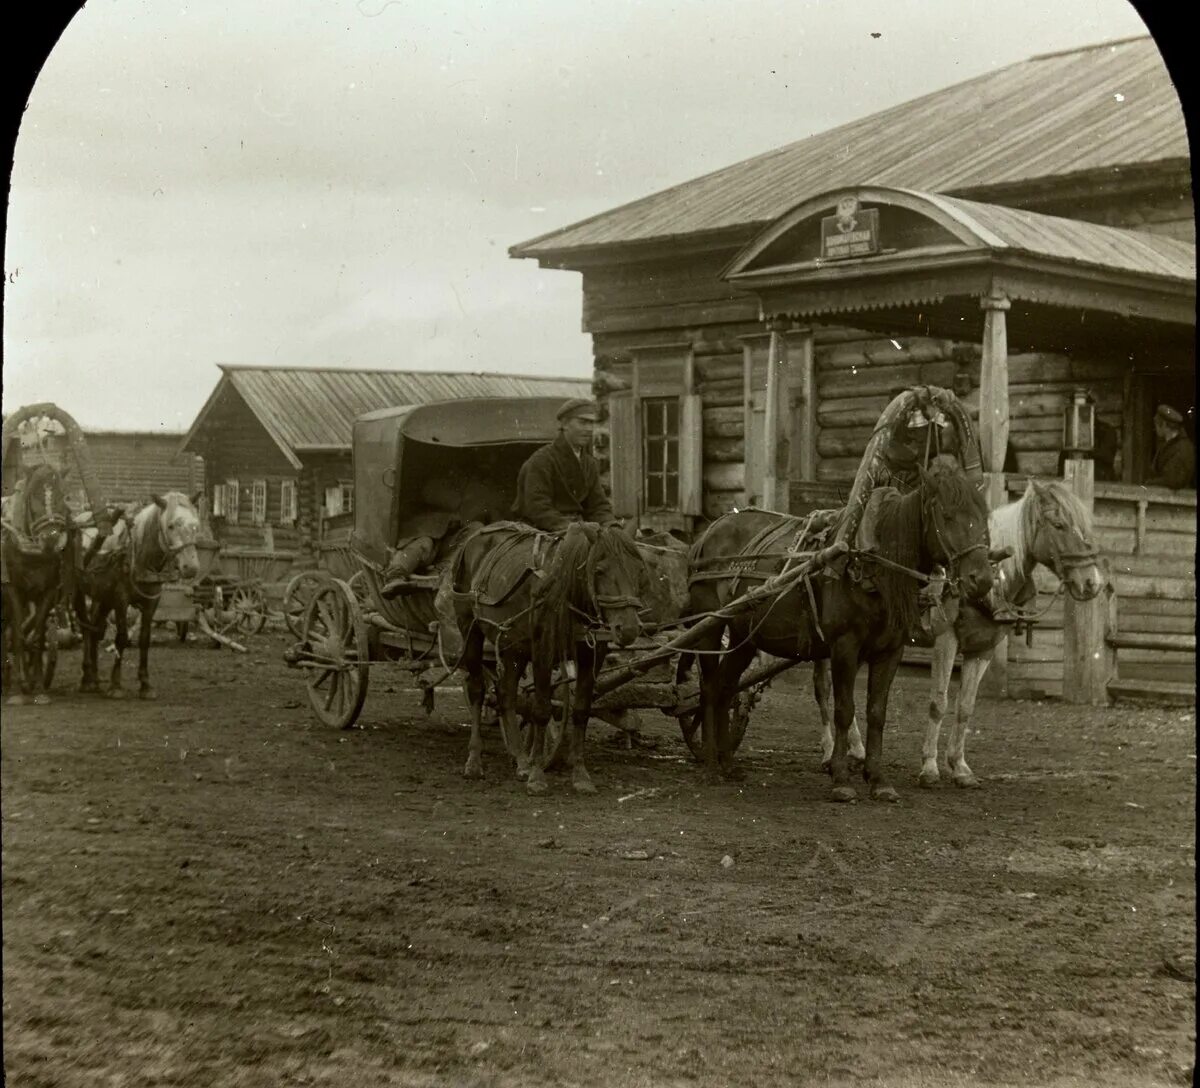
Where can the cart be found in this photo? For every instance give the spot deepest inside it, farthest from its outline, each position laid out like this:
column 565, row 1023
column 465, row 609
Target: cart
column 396, row 452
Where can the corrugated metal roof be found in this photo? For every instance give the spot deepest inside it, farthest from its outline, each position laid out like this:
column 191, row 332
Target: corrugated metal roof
column 315, row 408
column 1073, row 240
column 1066, row 113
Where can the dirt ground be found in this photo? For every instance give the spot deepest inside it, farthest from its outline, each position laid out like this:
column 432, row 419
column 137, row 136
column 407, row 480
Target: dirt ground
column 213, row 889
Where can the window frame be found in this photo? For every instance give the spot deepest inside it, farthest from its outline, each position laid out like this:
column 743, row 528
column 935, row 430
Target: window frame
column 665, row 440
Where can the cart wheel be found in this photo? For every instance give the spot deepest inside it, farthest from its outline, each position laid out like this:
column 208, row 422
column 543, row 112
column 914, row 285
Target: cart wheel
column 296, row 596
column 358, row 586
column 335, row 634
column 249, row 607
column 556, row 737
column 739, row 719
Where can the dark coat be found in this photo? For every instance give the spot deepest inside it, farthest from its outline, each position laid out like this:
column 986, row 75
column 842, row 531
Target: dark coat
column 555, row 488
column 1174, row 464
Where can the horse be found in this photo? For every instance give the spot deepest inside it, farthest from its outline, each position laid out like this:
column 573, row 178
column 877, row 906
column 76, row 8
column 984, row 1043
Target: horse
column 34, row 537
column 862, row 613
column 537, row 598
column 128, row 570
column 1049, row 526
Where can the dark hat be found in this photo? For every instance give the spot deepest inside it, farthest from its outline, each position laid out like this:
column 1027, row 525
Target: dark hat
column 1165, row 411
column 576, row 407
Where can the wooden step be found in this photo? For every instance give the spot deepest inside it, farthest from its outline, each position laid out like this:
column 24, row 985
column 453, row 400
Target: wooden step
column 1170, row 692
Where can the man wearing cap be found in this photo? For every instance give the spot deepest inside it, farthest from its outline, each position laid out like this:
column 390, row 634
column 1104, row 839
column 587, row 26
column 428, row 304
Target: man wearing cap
column 560, row 483
column 1174, row 464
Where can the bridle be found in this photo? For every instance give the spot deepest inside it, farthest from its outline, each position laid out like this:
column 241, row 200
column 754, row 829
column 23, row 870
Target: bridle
column 1065, row 562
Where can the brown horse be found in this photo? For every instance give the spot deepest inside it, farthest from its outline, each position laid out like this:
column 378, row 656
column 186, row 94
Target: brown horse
column 538, row 599
column 33, row 538
column 128, row 570
column 862, row 614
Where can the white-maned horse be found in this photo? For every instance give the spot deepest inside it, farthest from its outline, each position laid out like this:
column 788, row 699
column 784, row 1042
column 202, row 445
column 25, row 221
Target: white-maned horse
column 1047, row 526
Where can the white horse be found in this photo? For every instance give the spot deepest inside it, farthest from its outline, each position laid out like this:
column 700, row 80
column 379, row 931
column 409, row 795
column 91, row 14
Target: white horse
column 1047, row 526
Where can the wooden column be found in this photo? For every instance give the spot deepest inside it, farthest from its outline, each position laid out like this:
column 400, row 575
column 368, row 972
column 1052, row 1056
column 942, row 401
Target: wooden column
column 993, row 442
column 803, row 364
column 1089, row 662
column 776, row 432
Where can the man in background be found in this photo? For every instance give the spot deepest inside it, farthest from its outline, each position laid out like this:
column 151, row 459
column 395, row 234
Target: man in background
column 1174, row 463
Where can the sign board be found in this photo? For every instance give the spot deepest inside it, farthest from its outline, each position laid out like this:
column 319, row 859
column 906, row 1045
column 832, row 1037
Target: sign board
column 852, row 232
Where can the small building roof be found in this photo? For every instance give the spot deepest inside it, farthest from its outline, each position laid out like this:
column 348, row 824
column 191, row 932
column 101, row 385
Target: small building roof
column 1105, row 106
column 314, row 408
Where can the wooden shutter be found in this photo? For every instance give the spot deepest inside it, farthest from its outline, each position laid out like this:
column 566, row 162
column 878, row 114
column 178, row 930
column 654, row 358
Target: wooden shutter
column 287, row 502
column 624, row 452
column 755, row 468
column 691, row 455
column 233, row 497
column 218, row 500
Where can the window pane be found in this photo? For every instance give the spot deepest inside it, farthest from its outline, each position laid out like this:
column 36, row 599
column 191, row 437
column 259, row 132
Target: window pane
column 653, row 417
column 672, row 407
column 654, row 492
column 673, row 456
column 654, row 456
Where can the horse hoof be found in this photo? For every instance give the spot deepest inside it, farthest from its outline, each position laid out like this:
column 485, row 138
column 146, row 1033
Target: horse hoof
column 41, row 700
column 844, row 794
column 885, row 793
column 148, row 693
column 474, row 768
column 966, row 782
column 826, row 765
column 583, row 784
column 712, row 778
column 928, row 779
column 16, row 700
column 536, row 787
column 116, row 693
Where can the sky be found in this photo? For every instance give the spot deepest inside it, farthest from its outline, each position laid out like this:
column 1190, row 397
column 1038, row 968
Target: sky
column 337, row 182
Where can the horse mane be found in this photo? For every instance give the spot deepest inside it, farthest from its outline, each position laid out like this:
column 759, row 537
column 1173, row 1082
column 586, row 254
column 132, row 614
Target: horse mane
column 564, row 585
column 622, row 551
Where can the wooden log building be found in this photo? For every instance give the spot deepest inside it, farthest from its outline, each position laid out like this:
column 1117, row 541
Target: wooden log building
column 1026, row 238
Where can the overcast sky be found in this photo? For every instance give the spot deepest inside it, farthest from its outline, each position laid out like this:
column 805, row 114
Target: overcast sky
column 336, row 183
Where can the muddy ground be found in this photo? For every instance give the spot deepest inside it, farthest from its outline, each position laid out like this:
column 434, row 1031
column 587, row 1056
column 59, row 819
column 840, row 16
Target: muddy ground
column 215, row 890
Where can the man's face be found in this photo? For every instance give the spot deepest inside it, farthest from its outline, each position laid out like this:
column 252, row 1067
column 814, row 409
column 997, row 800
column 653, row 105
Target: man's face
column 1160, row 428
column 578, row 431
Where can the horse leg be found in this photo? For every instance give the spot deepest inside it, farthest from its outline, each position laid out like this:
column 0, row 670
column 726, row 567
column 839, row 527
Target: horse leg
column 510, row 668
column 733, row 664
column 121, row 643
column 145, row 691
column 15, row 607
column 880, row 674
column 973, row 669
column 945, row 646
column 543, row 676
column 823, row 690
column 587, row 664
column 710, row 689
column 472, row 663
column 36, row 647
column 844, row 661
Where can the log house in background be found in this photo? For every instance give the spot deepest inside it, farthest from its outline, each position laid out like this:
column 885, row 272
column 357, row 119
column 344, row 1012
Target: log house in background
column 1032, row 235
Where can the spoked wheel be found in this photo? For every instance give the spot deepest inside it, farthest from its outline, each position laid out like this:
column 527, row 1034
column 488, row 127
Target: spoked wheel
column 690, row 725
column 359, row 587
column 334, row 636
column 297, row 595
column 556, row 735
column 240, row 609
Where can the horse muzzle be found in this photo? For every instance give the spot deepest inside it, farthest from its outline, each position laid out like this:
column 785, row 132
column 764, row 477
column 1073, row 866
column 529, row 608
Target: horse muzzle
column 624, row 625
column 1084, row 583
column 976, row 581
column 188, row 562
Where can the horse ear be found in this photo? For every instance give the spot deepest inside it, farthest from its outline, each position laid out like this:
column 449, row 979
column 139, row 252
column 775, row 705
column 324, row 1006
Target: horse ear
column 159, row 501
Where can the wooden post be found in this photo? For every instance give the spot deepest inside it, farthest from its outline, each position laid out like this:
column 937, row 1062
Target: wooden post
column 1089, row 662
column 802, row 358
column 776, row 434
column 993, row 443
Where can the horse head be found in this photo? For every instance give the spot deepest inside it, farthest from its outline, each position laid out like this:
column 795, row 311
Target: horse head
column 955, row 526
column 1059, row 536
column 45, row 513
column 617, row 581
column 178, row 530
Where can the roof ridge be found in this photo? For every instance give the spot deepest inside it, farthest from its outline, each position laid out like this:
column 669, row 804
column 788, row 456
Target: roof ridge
column 1088, row 48
column 227, row 367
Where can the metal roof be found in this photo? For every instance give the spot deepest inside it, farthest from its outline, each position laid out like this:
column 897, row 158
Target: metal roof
column 1068, row 113
column 1073, row 240
column 314, row 409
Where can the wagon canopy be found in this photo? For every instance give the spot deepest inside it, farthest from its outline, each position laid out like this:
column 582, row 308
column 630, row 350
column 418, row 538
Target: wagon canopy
column 403, row 454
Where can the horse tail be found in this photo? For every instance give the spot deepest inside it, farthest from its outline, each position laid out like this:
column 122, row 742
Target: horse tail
column 563, row 586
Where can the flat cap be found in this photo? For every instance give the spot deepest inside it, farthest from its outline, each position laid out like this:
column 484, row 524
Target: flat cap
column 1165, row 411
column 577, row 406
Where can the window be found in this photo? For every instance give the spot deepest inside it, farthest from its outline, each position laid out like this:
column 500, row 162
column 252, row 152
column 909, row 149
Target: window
column 258, row 502
column 288, row 506
column 232, row 494
column 218, row 501
column 339, row 499
column 660, row 452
